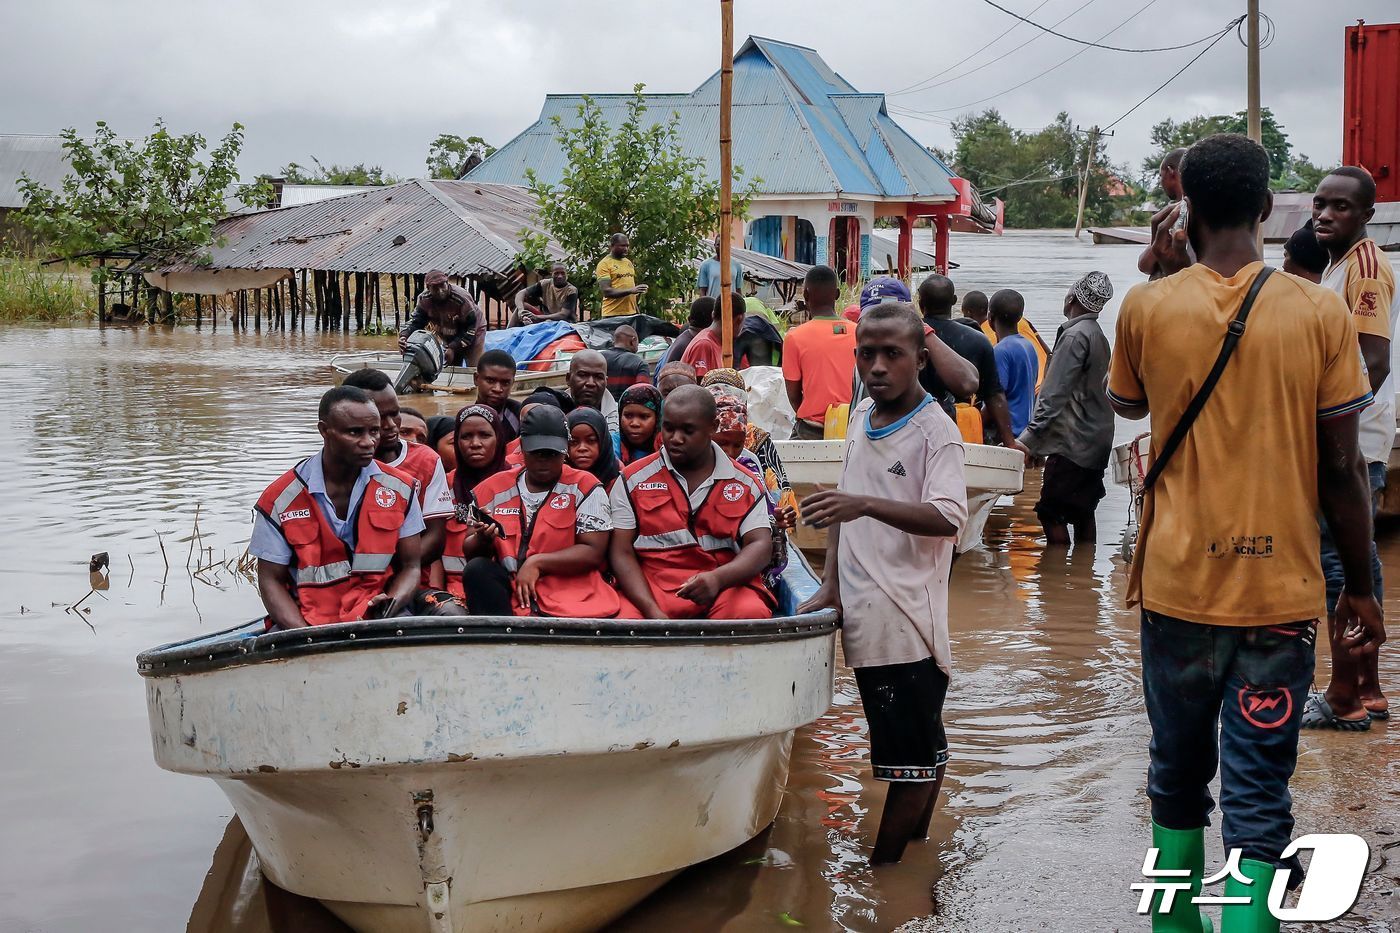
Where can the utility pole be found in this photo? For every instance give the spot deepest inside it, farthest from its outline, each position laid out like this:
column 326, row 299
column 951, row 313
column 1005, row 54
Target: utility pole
column 1252, row 26
column 726, row 204
column 1084, row 178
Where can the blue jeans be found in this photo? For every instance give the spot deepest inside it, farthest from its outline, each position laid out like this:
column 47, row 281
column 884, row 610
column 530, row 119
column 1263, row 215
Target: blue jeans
column 1332, row 561
column 1250, row 683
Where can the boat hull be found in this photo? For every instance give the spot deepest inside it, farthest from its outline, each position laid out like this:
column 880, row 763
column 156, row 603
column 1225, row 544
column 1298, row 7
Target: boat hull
column 522, row 777
column 990, row 473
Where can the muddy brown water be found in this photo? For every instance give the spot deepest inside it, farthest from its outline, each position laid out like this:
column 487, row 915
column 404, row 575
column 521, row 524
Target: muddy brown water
column 115, row 436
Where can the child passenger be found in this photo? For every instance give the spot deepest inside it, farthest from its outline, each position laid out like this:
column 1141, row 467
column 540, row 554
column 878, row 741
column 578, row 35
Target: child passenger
column 894, row 518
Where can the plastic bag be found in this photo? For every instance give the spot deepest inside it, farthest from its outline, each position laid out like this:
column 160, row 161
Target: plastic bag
column 769, row 407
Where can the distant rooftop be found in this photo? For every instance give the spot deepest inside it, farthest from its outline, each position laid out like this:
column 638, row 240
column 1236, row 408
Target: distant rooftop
column 42, row 158
column 798, row 126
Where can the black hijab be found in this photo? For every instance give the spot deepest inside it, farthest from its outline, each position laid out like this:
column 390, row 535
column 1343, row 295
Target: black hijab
column 607, row 468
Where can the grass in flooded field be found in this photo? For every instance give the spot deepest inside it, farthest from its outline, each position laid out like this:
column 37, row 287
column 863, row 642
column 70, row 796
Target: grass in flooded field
column 31, row 293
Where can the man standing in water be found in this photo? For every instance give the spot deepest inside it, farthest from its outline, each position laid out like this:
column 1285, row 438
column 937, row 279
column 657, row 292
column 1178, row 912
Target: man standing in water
column 450, row 312
column 1071, row 428
column 1227, row 569
column 1360, row 273
column 617, row 279
column 894, row 520
column 316, row 567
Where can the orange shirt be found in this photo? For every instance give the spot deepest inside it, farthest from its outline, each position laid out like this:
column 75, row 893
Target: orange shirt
column 1229, row 534
column 821, row 354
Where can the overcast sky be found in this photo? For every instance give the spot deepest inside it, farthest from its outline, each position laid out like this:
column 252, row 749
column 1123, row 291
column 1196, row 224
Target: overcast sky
column 375, row 81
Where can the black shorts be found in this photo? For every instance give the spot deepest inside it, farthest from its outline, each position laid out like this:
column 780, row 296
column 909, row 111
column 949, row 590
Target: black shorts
column 1069, row 493
column 904, row 707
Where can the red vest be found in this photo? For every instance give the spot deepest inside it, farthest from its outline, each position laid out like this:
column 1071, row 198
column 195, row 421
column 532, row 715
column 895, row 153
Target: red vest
column 675, row 543
column 578, row 596
column 420, row 463
column 332, row 583
column 453, row 559
column 515, row 457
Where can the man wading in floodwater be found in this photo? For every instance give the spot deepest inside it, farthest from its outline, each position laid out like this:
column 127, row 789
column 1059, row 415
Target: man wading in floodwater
column 1227, row 568
column 894, row 519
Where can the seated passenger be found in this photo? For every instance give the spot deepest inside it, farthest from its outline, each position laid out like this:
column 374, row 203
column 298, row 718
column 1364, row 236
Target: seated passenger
column 756, row 440
column 315, row 567
column 591, row 446
column 691, row 526
column 732, row 415
column 545, row 526
column 413, row 426
column 674, row 375
column 640, row 411
column 417, row 460
column 480, row 455
column 544, row 396
column 440, row 429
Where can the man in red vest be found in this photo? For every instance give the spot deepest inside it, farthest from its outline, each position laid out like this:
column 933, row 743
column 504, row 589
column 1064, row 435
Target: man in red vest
column 540, row 549
column 338, row 537
column 690, row 526
column 419, row 461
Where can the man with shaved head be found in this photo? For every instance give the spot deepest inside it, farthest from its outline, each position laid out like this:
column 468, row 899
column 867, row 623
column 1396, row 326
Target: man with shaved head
column 936, row 299
column 588, row 385
column 625, row 367
column 1017, row 362
column 690, row 525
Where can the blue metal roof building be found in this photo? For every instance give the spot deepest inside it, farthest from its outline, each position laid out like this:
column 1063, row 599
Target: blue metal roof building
column 828, row 159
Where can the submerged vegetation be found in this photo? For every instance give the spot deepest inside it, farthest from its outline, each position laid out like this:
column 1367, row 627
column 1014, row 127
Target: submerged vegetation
column 31, row 292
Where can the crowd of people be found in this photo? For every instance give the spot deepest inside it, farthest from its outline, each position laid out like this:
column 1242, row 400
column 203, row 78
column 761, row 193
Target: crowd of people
column 639, row 493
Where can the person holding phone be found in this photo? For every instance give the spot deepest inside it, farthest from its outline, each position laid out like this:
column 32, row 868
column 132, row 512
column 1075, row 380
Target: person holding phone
column 538, row 534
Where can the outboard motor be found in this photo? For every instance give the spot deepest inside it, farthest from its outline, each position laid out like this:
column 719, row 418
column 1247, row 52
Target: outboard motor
column 422, row 360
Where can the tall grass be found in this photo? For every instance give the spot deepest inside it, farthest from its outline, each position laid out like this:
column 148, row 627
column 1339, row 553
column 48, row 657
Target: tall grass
column 30, row 292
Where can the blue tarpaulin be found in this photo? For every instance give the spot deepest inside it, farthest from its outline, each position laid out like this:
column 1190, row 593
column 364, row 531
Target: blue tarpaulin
column 525, row 343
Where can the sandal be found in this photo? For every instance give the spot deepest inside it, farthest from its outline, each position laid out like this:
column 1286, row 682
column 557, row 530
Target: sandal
column 1317, row 714
column 1378, row 714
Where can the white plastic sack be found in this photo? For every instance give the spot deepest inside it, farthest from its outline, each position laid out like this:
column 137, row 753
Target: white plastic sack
column 768, row 402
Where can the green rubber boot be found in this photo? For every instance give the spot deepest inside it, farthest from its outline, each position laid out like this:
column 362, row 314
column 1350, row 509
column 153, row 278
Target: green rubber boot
column 1253, row 917
column 1177, row 849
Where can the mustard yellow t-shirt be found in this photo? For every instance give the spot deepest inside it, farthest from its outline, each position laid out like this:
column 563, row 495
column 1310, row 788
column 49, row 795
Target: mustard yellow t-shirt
column 622, row 275
column 1229, row 533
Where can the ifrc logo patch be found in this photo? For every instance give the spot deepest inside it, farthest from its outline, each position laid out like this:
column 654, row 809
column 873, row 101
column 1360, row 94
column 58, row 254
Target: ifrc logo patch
column 294, row 514
column 385, row 498
column 733, row 492
column 559, row 502
column 650, row 487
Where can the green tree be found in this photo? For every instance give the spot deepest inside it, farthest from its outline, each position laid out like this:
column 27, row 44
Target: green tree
column 636, row 179
column 448, row 154
column 1035, row 172
column 1169, row 134
column 151, row 203
column 334, row 174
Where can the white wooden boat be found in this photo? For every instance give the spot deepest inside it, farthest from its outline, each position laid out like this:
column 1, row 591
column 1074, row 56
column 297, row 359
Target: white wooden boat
column 481, row 774
column 459, row 380
column 991, row 472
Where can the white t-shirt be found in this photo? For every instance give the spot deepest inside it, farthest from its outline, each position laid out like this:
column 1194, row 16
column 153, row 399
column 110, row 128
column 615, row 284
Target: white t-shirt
column 725, row 469
column 436, row 497
column 894, row 585
column 593, row 512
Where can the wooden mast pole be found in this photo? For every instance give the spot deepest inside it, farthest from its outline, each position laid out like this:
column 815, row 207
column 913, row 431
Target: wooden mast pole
column 726, row 157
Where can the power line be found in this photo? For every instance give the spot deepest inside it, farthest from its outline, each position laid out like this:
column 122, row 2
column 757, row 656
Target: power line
column 911, row 88
column 1114, row 48
column 1142, row 9
column 1176, row 75
column 924, row 86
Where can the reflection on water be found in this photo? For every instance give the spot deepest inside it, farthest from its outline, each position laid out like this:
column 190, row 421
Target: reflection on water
column 115, row 438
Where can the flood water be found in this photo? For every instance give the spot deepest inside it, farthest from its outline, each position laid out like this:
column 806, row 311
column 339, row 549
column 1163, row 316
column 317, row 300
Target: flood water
column 120, row 435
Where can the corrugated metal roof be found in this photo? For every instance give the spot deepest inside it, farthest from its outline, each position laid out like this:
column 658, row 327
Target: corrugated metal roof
column 292, row 195
column 1384, row 228
column 42, row 158
column 798, row 126
column 465, row 228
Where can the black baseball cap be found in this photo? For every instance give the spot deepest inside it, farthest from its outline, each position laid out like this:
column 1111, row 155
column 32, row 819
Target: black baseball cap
column 544, row 428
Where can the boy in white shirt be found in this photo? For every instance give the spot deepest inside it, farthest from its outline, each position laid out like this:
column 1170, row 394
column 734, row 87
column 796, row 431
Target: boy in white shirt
column 902, row 501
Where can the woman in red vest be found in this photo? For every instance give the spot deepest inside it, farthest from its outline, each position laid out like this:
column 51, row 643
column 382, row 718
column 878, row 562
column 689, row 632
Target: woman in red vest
column 539, row 534
column 480, row 455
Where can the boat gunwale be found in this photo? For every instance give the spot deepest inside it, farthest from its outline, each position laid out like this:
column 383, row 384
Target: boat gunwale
column 214, row 652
